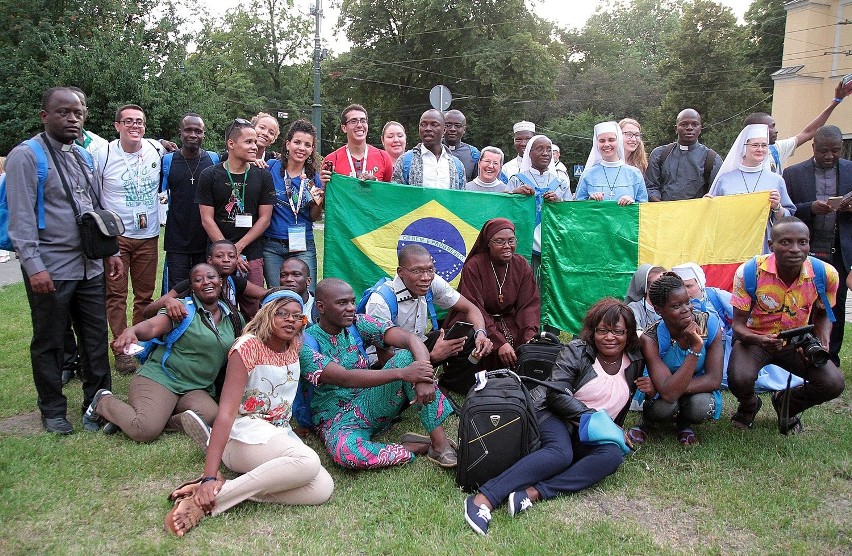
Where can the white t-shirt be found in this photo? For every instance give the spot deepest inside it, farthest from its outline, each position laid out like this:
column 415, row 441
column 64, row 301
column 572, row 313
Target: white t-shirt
column 512, row 167
column 785, row 148
column 436, row 170
column 130, row 183
column 413, row 314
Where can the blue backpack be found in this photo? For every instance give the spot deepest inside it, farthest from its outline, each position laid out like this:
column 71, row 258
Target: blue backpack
column 750, row 282
column 384, row 287
column 407, row 156
column 305, row 390
column 166, row 165
column 41, row 171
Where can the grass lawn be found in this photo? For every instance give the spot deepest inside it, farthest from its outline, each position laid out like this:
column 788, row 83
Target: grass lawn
column 739, row 492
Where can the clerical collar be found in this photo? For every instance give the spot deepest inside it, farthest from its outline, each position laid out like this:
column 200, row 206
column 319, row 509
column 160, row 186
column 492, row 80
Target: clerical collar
column 67, row 148
column 687, row 147
column 750, row 169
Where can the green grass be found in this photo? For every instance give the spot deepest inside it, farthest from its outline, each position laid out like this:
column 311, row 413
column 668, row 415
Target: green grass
column 745, row 493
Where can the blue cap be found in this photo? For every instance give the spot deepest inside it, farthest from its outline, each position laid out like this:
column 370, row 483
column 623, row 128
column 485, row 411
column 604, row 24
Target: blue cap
column 283, row 294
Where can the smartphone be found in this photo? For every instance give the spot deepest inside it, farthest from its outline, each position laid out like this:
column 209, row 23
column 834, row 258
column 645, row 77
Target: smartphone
column 458, row 330
column 701, row 319
column 133, row 349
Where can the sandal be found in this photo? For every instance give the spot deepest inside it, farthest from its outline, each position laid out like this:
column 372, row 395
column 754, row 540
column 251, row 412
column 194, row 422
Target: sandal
column 744, row 420
column 415, row 438
column 637, row 435
column 786, row 424
column 188, row 488
column 687, row 438
column 187, row 509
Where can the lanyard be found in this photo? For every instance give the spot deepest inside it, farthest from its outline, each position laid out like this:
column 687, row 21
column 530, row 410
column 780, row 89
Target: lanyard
column 354, row 172
column 239, row 194
column 288, row 184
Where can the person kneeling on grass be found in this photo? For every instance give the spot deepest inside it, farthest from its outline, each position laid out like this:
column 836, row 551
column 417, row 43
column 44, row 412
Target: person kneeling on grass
column 595, row 372
column 166, row 387
column 351, row 404
column 684, row 361
column 252, row 434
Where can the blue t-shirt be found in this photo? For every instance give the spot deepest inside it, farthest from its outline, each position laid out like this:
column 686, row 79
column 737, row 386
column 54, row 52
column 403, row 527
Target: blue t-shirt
column 282, row 211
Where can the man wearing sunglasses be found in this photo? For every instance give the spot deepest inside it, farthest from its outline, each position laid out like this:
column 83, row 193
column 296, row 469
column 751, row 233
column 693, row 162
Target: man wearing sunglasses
column 130, row 183
column 356, row 158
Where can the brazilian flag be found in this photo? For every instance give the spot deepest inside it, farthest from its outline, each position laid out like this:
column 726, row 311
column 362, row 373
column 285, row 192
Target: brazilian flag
column 368, row 222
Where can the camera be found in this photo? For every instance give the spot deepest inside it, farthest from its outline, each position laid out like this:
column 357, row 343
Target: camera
column 810, row 346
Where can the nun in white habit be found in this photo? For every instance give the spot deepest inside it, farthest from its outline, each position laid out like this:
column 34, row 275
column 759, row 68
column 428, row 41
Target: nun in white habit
column 606, row 176
column 743, row 172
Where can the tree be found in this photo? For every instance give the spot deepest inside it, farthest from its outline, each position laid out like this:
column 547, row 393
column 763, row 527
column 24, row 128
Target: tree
column 767, row 21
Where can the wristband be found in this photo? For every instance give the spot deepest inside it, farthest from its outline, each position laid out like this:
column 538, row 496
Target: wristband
column 208, row 479
column 837, row 100
column 478, row 330
column 690, row 352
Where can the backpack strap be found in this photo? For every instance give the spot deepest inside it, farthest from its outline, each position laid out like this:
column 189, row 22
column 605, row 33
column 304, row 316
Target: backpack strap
column 750, row 280
column 430, row 306
column 820, row 283
column 475, row 154
column 666, row 152
column 709, row 162
column 41, row 171
column 311, row 342
column 386, row 291
column 166, row 166
column 177, row 332
column 214, row 157
column 460, row 171
column 406, row 165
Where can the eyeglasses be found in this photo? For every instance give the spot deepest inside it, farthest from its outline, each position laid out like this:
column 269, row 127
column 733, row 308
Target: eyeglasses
column 285, row 315
column 632, row 135
column 618, row 332
column 354, row 121
column 511, row 242
column 421, row 271
column 130, row 122
column 758, row 145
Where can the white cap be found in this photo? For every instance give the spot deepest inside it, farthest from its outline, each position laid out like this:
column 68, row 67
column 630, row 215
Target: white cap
column 523, row 125
column 554, row 147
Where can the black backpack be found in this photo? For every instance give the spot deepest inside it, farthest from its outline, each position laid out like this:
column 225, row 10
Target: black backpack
column 536, row 358
column 497, row 427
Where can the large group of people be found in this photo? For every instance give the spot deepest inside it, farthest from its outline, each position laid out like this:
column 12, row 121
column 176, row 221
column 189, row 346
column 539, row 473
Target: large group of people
column 246, row 338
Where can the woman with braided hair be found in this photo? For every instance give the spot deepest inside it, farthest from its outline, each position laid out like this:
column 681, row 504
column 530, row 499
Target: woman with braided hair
column 683, row 352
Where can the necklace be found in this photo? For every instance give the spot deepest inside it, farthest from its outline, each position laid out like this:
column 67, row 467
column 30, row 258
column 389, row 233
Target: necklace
column 499, row 283
column 752, row 190
column 602, row 360
column 611, row 186
column 191, row 171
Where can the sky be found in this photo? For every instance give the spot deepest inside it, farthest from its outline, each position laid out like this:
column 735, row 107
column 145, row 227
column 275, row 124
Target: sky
column 575, row 16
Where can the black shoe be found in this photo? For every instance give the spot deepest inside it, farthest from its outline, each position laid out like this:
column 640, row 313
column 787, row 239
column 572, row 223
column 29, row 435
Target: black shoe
column 67, row 376
column 58, row 425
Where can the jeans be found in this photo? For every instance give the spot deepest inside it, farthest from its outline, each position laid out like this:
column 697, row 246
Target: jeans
column 275, row 252
column 81, row 301
column 139, row 257
column 690, row 409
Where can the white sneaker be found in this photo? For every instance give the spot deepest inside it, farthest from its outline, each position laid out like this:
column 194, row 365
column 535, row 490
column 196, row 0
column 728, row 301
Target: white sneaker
column 195, row 428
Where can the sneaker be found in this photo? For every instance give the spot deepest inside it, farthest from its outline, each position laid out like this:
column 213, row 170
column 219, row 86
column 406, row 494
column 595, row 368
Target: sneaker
column 111, row 428
column 92, row 425
column 195, row 427
column 519, row 502
column 125, row 364
column 478, row 517
column 91, row 412
column 58, row 425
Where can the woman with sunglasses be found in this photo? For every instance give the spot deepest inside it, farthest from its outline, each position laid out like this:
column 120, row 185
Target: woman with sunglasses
column 500, row 284
column 596, row 372
column 252, row 434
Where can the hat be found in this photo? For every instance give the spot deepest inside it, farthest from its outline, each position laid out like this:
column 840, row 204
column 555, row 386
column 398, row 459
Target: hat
column 523, row 125
column 554, row 147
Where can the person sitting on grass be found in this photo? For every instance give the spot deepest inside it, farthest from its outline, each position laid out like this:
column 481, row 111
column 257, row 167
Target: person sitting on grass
column 684, row 360
column 252, row 434
column 351, row 404
column 595, row 372
column 222, row 255
column 165, row 387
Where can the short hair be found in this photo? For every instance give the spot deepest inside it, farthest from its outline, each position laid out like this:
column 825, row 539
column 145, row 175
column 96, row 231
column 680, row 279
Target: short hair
column 79, row 92
column 219, row 242
column 260, row 325
column 786, row 220
column 411, row 251
column 660, row 291
column 608, row 311
column 828, row 133
column 390, row 123
column 344, row 116
column 756, row 118
column 48, row 95
column 236, row 127
column 127, row 107
column 436, row 111
column 189, row 115
column 327, row 284
column 305, row 268
column 495, row 150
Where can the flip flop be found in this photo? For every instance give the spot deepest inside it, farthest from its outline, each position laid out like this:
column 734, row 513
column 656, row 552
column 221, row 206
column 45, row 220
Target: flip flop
column 744, row 420
column 637, row 435
column 687, row 438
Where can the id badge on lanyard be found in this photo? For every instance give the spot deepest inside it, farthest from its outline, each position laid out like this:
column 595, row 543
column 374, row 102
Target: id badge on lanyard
column 296, row 234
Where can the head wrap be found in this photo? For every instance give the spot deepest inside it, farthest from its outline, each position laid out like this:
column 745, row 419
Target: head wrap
column 487, row 232
column 523, row 125
column 526, row 163
column 690, row 271
column 282, row 294
column 734, row 160
column 595, row 156
column 638, row 284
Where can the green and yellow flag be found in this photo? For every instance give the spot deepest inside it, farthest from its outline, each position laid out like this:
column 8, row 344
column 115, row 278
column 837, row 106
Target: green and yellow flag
column 591, row 249
column 367, row 222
